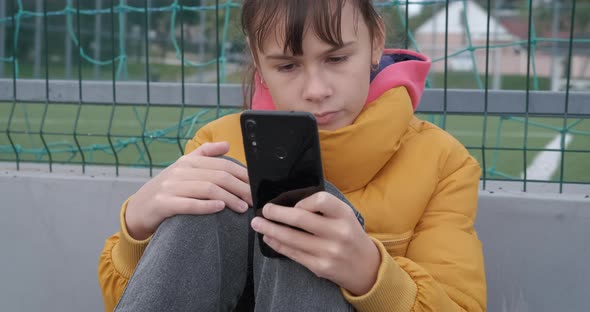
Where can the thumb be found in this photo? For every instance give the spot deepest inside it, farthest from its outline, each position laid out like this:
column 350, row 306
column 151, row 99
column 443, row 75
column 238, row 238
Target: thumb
column 212, row 149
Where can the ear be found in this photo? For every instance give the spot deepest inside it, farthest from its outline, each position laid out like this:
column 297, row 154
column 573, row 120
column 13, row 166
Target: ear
column 378, row 43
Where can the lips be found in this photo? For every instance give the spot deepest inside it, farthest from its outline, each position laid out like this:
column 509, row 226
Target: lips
column 325, row 117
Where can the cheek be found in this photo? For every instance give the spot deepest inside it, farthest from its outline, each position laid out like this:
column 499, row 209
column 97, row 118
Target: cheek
column 283, row 95
column 357, row 86
column 275, row 84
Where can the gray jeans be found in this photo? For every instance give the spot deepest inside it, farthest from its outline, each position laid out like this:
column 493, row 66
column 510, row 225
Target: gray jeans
column 201, row 263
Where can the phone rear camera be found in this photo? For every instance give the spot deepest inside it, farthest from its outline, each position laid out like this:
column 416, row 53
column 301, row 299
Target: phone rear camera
column 251, row 128
column 250, row 125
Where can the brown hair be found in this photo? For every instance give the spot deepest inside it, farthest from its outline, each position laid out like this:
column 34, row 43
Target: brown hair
column 261, row 17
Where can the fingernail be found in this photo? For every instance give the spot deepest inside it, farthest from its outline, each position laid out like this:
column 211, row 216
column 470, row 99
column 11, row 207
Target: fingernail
column 244, row 206
column 255, row 224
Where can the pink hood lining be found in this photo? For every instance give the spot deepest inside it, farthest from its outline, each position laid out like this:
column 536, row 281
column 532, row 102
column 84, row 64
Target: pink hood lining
column 410, row 74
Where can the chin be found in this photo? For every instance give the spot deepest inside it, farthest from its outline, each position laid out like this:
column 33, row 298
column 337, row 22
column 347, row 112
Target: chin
column 334, row 126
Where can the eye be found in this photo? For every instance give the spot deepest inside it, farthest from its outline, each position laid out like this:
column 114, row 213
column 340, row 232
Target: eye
column 337, row 59
column 285, row 68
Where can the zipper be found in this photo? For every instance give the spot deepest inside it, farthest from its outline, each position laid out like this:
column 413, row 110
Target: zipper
column 396, row 241
column 383, row 238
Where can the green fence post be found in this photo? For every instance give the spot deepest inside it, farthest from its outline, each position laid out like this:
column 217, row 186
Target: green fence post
column 217, row 56
column 41, row 132
column 528, row 80
column 486, row 97
column 14, row 73
column 147, row 82
column 182, row 77
column 114, row 79
column 80, row 96
column 567, row 95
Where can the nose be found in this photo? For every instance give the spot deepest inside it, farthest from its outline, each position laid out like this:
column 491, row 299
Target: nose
column 316, row 87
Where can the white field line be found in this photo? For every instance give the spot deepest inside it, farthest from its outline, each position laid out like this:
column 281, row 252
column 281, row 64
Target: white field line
column 546, row 163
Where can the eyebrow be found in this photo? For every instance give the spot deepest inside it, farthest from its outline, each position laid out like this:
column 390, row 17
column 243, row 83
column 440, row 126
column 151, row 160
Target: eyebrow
column 289, row 57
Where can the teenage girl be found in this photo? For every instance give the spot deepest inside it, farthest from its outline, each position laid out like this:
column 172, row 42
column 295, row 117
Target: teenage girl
column 186, row 241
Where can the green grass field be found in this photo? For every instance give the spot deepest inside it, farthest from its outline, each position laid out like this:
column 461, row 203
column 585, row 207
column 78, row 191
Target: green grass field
column 93, row 129
column 510, row 134
column 167, row 139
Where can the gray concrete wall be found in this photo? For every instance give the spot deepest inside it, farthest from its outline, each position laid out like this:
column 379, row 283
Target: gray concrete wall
column 536, row 248
column 53, row 226
column 52, row 229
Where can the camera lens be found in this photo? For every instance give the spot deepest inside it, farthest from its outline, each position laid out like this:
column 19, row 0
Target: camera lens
column 250, row 125
column 251, row 128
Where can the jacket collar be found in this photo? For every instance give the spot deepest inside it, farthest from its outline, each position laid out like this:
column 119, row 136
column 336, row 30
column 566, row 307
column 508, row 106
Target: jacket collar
column 354, row 154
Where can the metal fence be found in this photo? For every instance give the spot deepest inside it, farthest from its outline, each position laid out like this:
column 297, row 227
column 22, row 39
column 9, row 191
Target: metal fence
column 126, row 83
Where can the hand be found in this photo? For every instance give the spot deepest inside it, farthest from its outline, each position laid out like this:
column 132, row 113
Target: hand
column 197, row 183
column 335, row 246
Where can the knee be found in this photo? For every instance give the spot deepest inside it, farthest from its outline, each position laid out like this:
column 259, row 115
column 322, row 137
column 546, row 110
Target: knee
column 196, row 225
column 181, row 221
column 184, row 226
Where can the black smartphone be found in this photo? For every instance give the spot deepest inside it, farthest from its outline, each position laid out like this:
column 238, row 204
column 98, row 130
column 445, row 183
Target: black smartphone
column 283, row 159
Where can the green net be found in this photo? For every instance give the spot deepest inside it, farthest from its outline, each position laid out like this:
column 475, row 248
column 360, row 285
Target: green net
column 200, row 41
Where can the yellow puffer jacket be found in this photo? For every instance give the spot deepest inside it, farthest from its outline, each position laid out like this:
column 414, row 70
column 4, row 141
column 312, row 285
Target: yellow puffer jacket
column 416, row 187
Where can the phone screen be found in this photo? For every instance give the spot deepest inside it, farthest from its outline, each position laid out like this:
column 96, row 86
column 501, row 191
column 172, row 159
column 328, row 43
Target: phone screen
column 283, row 158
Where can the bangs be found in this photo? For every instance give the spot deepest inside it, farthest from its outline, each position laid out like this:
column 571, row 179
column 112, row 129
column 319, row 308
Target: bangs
column 289, row 20
column 324, row 18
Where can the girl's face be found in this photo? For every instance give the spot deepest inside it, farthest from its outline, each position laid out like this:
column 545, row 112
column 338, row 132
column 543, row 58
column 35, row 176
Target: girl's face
column 331, row 82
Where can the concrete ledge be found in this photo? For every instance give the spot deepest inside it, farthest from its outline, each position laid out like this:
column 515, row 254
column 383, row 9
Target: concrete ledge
column 53, row 227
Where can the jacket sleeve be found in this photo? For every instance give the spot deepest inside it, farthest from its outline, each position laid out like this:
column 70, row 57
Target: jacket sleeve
column 443, row 269
column 121, row 252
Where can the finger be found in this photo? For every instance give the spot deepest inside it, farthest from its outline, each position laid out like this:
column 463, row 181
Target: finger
column 299, row 218
column 294, row 254
column 222, row 178
column 286, row 236
column 207, row 190
column 325, row 203
column 211, row 149
column 184, row 205
column 232, row 184
column 214, row 163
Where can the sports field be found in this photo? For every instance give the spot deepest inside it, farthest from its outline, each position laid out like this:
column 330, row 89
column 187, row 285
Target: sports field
column 504, row 138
